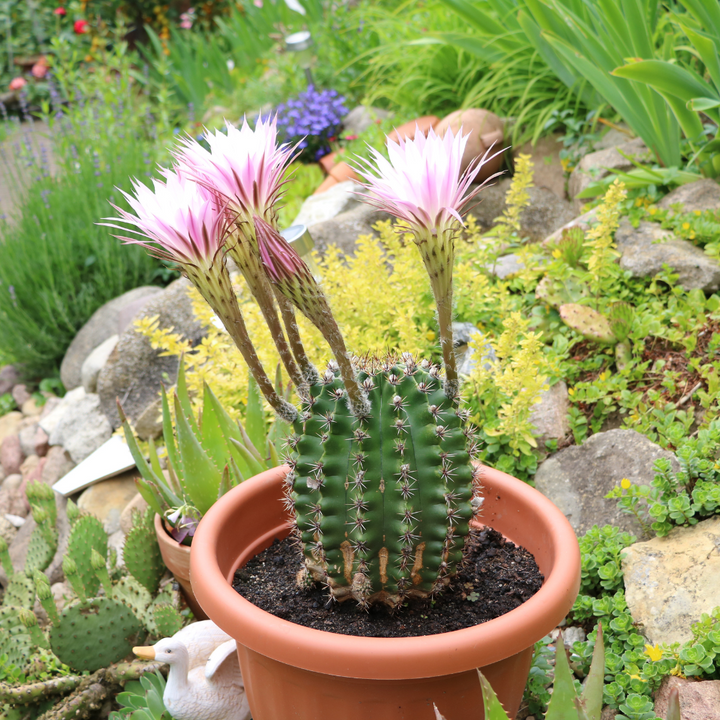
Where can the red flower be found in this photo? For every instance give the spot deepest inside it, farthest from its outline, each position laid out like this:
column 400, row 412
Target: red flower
column 81, row 27
column 60, row 11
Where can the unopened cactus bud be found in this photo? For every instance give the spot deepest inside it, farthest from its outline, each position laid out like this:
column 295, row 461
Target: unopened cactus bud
column 27, row 618
column 44, row 593
column 96, row 560
column 40, row 515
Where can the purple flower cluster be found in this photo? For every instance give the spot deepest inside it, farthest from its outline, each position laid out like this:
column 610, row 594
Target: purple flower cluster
column 312, row 120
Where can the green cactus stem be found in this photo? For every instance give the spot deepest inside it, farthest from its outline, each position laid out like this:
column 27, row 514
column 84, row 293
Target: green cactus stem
column 621, row 318
column 20, row 592
column 5, row 558
column 167, row 619
column 87, row 534
column 44, row 593
column 35, row 692
column 382, row 503
column 41, row 495
column 71, row 575
column 72, row 511
column 29, row 620
column 100, row 567
column 588, row 322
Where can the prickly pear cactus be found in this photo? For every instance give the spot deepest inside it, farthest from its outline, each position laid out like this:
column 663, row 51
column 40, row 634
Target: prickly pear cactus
column 382, row 505
column 40, row 495
column 588, row 322
column 92, row 634
column 167, row 620
column 141, row 554
column 20, row 592
column 15, row 640
column 87, row 534
column 131, row 593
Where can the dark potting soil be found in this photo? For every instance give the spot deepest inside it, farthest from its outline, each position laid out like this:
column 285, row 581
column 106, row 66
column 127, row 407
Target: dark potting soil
column 495, row 578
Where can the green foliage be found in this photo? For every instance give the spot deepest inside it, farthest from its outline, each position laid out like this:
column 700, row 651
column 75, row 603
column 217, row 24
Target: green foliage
column 141, row 554
column 682, row 497
column 142, row 699
column 7, row 404
column 305, row 180
column 205, row 457
column 57, row 266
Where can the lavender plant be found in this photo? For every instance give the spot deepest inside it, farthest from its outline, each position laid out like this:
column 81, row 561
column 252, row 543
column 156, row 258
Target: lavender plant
column 312, row 120
column 381, row 485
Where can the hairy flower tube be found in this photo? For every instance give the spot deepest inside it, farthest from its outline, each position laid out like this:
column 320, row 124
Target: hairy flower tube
column 183, row 222
column 246, row 168
column 421, row 185
column 292, row 277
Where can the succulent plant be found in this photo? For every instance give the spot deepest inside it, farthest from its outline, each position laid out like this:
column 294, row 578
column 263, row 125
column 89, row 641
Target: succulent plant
column 381, row 481
column 205, row 457
column 611, row 330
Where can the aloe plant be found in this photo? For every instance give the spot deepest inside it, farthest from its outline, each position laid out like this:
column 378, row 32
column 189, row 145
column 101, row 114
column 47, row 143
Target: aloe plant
column 565, row 704
column 205, row 456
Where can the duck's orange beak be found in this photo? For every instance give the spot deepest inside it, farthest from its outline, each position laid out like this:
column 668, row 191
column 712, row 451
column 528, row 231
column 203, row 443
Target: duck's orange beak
column 147, row 652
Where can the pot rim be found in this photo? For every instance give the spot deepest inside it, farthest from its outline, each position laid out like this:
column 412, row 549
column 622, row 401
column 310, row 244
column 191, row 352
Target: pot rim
column 384, row 658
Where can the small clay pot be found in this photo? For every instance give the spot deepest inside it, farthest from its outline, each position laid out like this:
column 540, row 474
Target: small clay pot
column 291, row 671
column 177, row 559
column 486, row 131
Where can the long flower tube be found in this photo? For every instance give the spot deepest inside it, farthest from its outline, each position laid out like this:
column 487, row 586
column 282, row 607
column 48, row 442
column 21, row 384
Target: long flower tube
column 246, row 167
column 182, row 222
column 420, row 184
column 292, row 277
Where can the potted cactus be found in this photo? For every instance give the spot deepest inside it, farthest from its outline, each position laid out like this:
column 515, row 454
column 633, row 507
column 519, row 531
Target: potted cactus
column 379, row 488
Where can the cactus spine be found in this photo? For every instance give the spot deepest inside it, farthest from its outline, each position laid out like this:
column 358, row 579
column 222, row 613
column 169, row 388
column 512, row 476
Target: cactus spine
column 382, row 503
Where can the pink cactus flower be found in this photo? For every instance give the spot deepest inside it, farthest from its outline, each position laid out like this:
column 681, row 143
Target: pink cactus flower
column 246, row 166
column 182, row 221
column 17, row 83
column 421, row 183
column 40, row 68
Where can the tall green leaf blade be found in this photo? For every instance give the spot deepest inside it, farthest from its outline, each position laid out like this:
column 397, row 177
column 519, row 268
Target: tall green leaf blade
column 708, row 53
column 213, row 438
column 201, row 479
column 562, row 702
column 592, row 694
column 707, row 14
column 174, row 461
column 250, row 460
column 183, row 395
column 667, row 77
column 493, row 709
column 479, row 20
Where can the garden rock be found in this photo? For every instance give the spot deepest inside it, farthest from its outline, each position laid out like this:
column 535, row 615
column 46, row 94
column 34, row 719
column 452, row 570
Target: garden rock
column 700, row 195
column 10, row 424
column 82, row 428
column 126, row 517
column 670, row 581
column 41, row 442
column 646, row 249
column 583, row 221
column 546, row 213
column 149, row 424
column 58, row 465
column 7, row 530
column 12, row 502
column 344, row 229
column 698, row 700
column 323, row 206
column 599, row 164
column 107, row 499
column 11, row 455
column 95, row 362
column 50, row 404
column 8, row 378
column 360, row 118
column 49, row 420
column 31, row 408
column 577, row 478
column 27, row 439
column 506, row 265
column 103, row 323
column 20, row 394
column 12, row 482
column 466, row 356
column 134, row 372
column 545, row 156
column 550, row 415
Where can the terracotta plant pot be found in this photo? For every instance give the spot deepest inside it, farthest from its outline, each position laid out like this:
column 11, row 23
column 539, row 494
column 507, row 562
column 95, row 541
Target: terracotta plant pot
column 177, row 559
column 296, row 672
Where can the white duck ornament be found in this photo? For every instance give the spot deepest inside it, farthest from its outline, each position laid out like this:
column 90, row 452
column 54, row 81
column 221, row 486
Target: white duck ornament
column 204, row 682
